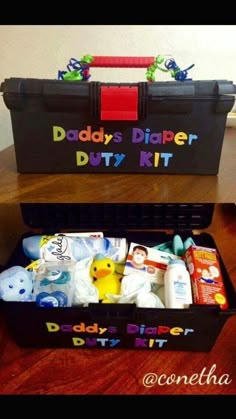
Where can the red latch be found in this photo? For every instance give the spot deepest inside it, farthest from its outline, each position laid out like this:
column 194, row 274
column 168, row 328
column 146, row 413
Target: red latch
column 119, row 103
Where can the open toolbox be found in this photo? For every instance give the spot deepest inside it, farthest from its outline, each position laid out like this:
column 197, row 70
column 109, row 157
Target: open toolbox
column 174, row 127
column 119, row 325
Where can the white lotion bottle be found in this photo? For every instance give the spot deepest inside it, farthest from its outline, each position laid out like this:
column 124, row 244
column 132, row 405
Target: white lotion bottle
column 177, row 284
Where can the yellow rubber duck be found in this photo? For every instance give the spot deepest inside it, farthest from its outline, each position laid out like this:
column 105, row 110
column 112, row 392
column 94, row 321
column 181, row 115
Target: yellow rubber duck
column 105, row 279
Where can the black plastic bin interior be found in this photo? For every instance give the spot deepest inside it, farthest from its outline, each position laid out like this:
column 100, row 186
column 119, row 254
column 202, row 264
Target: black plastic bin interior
column 179, row 127
column 125, row 325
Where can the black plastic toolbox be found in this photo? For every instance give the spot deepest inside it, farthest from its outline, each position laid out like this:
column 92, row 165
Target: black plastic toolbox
column 60, row 127
column 125, row 325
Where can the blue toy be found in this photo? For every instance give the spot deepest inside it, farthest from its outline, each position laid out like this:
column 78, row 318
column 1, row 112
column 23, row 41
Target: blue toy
column 16, row 284
column 54, row 299
column 56, row 277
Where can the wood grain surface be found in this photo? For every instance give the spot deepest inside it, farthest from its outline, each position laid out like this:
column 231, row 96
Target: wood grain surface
column 120, row 371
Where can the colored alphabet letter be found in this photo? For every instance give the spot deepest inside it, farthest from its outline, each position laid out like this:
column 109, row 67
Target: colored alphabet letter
column 144, row 158
column 81, row 158
column 58, row 133
column 52, row 327
column 180, row 138
column 138, row 135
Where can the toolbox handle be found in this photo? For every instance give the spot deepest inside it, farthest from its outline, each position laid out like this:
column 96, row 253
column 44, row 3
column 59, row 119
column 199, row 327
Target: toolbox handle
column 121, row 62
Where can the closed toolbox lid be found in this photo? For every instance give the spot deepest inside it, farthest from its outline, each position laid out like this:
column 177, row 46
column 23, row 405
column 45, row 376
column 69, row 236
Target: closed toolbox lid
column 198, row 88
column 133, row 100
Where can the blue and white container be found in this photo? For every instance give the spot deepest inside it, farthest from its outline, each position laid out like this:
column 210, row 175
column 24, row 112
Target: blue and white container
column 62, row 248
column 177, row 283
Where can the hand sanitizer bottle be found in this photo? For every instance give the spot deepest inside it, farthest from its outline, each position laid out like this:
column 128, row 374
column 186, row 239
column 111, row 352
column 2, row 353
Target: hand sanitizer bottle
column 177, row 284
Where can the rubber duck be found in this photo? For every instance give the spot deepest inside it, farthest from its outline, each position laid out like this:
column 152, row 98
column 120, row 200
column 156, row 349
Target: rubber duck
column 105, row 279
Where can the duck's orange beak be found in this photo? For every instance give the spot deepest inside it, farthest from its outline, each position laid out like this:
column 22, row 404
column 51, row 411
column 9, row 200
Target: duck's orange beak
column 102, row 273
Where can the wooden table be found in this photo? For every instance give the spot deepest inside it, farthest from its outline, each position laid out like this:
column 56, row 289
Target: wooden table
column 120, row 371
column 125, row 188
